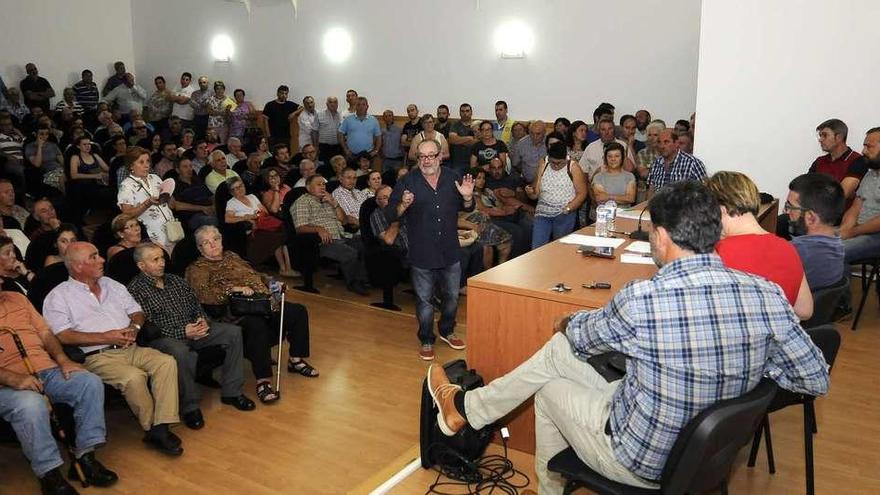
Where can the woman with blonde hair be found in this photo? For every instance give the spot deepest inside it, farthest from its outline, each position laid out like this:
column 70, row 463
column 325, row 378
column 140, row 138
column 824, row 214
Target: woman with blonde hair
column 747, row 247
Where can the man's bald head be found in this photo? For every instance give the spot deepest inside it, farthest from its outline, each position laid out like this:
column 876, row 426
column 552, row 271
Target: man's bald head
column 83, row 261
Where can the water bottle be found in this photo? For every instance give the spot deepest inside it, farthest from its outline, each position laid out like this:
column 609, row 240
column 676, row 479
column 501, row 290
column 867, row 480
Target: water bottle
column 611, row 207
column 601, row 221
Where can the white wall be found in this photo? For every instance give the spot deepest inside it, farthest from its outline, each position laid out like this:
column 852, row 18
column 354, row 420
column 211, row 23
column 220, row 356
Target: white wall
column 634, row 54
column 64, row 37
column 768, row 75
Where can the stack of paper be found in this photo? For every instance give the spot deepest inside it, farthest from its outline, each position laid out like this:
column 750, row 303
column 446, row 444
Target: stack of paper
column 638, row 259
column 639, row 247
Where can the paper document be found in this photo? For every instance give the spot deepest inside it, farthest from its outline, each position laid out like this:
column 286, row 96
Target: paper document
column 591, row 240
column 633, row 213
column 640, row 247
column 638, row 259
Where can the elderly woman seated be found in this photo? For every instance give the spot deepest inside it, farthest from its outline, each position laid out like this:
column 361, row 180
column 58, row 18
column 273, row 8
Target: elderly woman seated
column 217, row 274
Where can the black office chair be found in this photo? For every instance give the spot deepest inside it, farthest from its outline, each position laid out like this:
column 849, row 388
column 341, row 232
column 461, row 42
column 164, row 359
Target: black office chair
column 701, row 457
column 827, row 340
column 825, row 301
column 867, row 278
column 383, row 263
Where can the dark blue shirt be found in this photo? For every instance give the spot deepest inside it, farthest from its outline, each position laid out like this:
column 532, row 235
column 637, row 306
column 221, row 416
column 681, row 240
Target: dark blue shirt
column 822, row 257
column 431, row 221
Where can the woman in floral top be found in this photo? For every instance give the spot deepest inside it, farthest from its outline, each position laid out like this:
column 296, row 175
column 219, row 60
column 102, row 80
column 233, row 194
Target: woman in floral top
column 218, row 106
column 138, row 197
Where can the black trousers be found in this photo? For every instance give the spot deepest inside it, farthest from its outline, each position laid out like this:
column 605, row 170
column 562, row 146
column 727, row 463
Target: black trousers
column 261, row 333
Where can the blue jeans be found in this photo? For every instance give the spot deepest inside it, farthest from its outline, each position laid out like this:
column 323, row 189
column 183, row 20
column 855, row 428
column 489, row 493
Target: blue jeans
column 861, row 247
column 546, row 229
column 445, row 280
column 27, row 412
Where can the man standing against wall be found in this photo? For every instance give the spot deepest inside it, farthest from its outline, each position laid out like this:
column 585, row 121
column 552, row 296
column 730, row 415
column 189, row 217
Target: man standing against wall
column 325, row 133
column 279, row 113
column 428, row 200
column 360, row 133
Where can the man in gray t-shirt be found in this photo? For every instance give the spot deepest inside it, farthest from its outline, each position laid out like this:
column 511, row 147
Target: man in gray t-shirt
column 860, row 228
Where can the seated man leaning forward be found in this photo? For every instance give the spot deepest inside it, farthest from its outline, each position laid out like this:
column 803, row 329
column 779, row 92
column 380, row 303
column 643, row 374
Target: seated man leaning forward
column 60, row 379
column 695, row 333
column 98, row 314
column 170, row 304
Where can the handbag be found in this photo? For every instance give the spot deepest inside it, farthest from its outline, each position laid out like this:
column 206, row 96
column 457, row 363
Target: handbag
column 255, row 305
column 174, row 230
column 268, row 223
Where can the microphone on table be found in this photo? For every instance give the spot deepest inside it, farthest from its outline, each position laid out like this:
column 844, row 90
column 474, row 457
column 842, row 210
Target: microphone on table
column 639, row 234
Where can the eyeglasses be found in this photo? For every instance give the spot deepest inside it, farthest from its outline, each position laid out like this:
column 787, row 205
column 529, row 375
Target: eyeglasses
column 426, row 158
column 790, row 207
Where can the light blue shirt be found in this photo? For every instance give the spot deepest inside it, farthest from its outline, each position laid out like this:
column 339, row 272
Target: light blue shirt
column 72, row 306
column 359, row 133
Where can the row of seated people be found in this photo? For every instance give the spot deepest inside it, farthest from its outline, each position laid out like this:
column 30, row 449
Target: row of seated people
column 145, row 338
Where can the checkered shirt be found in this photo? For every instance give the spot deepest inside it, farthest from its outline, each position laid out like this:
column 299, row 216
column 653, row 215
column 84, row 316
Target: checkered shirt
column 684, row 167
column 171, row 308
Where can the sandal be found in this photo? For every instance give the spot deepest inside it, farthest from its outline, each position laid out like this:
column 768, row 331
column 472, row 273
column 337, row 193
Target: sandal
column 303, row 368
column 266, row 393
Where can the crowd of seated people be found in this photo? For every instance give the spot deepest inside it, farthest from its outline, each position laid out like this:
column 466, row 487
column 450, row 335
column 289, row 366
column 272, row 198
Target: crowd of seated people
column 159, row 166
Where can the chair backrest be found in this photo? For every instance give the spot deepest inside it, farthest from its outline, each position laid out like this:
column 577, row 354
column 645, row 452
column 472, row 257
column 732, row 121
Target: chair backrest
column 701, row 457
column 827, row 339
column 367, row 208
column 221, row 197
column 825, row 302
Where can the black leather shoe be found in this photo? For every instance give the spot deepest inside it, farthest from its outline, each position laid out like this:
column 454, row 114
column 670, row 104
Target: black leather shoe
column 242, row 403
column 164, row 440
column 208, row 381
column 194, row 420
column 52, row 483
column 95, row 472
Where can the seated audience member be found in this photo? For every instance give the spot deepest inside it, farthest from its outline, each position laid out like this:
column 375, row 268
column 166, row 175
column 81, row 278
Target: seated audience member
column 643, row 118
column 576, row 139
column 686, row 143
column 349, row 198
column 860, row 228
column 338, row 165
column 8, row 208
column 593, row 158
column 307, row 169
column 527, row 155
column 16, row 277
column 428, row 132
column 487, row 148
column 280, row 159
column 170, row 304
column 490, row 236
column 174, row 132
column 612, row 182
column 43, row 219
column 187, row 141
column 252, row 173
column 267, row 230
column 50, row 248
column 89, row 175
column 45, row 160
column 814, row 207
column 138, row 197
column 840, row 161
column 510, row 193
column 220, row 171
column 168, row 157
column 236, row 153
column 682, row 127
column 199, row 155
column 62, row 381
column 15, row 107
column 217, row 274
column 675, row 370
column 374, row 182
column 98, row 314
column 672, row 165
column 518, row 131
column 193, row 202
column 12, row 149
column 560, row 189
column 317, row 212
column 391, row 234
column 561, row 125
column 138, row 132
column 128, row 231
column 746, row 246
column 627, row 129
column 263, row 148
column 486, row 202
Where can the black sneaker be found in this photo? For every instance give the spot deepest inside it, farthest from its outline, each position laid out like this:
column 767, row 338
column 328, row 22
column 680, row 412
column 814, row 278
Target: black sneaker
column 95, row 472
column 52, row 483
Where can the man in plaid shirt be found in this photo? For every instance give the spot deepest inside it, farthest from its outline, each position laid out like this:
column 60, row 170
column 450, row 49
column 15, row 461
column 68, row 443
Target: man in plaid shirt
column 170, row 303
column 673, row 164
column 694, row 334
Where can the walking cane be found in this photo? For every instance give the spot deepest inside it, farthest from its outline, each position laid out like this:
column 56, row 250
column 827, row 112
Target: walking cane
column 280, row 340
column 53, row 419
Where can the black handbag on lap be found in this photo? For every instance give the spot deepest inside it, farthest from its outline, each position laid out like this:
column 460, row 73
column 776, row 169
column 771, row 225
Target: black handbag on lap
column 255, row 305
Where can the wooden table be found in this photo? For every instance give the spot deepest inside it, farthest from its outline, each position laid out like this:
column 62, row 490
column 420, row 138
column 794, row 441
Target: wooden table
column 510, row 311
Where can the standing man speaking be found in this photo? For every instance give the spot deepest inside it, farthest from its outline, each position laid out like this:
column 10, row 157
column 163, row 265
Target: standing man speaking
column 427, row 201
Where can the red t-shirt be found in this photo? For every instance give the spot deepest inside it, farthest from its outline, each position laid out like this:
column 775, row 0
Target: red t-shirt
column 767, row 256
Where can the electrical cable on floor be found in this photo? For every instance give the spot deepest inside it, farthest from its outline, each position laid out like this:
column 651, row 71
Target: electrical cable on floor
column 486, row 475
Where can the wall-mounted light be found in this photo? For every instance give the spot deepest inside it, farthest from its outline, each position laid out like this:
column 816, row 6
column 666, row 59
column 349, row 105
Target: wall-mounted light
column 221, row 48
column 337, row 45
column 513, row 39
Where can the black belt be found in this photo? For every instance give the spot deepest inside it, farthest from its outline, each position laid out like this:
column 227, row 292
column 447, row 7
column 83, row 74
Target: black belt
column 103, row 349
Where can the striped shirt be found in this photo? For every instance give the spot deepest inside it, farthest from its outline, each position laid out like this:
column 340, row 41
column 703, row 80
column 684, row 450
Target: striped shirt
column 328, row 126
column 695, row 333
column 683, row 167
column 76, row 107
column 86, row 94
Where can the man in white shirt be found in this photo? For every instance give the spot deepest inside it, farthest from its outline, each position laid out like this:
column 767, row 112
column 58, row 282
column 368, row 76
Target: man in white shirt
column 182, row 109
column 128, row 96
column 593, row 158
column 307, row 122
